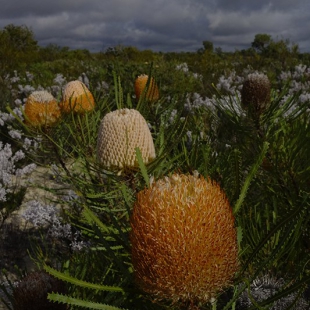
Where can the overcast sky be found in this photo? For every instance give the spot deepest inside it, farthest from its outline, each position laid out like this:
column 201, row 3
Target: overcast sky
column 159, row 25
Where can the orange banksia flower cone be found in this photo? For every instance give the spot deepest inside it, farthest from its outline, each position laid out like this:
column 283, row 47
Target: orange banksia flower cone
column 120, row 133
column 77, row 98
column 41, row 109
column 184, row 243
column 152, row 93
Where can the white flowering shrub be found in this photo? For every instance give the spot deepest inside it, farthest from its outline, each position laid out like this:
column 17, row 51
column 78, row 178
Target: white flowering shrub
column 10, row 175
column 48, row 217
column 298, row 82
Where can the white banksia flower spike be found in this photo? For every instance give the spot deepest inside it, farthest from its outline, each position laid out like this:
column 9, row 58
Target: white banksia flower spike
column 120, row 133
column 41, row 109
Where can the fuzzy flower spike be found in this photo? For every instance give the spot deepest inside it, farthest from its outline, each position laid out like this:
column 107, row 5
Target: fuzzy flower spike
column 41, row 109
column 184, row 242
column 120, row 132
column 152, row 93
column 31, row 292
column 77, row 98
column 255, row 93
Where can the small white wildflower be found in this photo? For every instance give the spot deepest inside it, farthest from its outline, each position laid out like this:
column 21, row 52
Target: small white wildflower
column 14, row 79
column 18, row 156
column 39, row 215
column 18, row 112
column 84, row 79
column 26, row 170
column 59, row 230
column 77, row 246
column 70, row 196
column 182, row 67
column 59, row 79
column 27, row 144
column 29, row 76
column 15, row 134
column 172, row 116
column 3, row 193
column 304, row 97
column 18, row 102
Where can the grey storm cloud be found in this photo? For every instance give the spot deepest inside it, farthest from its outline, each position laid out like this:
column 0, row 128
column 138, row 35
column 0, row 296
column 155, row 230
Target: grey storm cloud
column 160, row 25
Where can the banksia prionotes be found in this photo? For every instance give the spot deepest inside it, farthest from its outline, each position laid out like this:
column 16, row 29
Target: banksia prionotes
column 41, row 109
column 152, row 93
column 77, row 98
column 184, row 244
column 120, row 132
column 31, row 292
column 255, row 93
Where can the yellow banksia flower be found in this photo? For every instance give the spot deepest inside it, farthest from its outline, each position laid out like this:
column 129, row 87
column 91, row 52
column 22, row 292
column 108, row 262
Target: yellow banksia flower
column 184, row 242
column 41, row 109
column 152, row 93
column 120, row 132
column 77, row 98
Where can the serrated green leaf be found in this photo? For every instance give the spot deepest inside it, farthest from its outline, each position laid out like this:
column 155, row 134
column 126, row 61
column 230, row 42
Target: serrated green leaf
column 79, row 302
column 92, row 218
column 81, row 283
column 250, row 177
column 142, row 167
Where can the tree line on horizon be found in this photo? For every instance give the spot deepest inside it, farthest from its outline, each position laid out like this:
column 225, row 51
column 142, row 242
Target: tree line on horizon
column 19, row 51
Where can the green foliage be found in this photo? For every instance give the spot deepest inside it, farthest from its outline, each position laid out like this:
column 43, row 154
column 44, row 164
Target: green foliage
column 261, row 41
column 80, row 303
column 17, row 48
column 260, row 161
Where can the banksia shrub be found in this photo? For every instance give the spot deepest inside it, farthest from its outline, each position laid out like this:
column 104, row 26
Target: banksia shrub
column 120, row 132
column 77, row 98
column 41, row 109
column 31, row 292
column 184, row 244
column 255, row 93
column 152, row 93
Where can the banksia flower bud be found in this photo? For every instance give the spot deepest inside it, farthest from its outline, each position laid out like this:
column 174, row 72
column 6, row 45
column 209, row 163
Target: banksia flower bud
column 77, row 98
column 255, row 93
column 31, row 292
column 184, row 244
column 41, row 109
column 152, row 93
column 120, row 132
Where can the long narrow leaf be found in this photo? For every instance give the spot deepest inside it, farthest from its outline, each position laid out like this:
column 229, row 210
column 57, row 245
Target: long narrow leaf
column 250, row 177
column 92, row 218
column 79, row 302
column 142, row 167
column 81, row 283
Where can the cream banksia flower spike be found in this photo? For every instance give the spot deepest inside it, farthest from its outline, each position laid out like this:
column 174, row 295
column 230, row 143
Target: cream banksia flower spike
column 152, row 93
column 77, row 98
column 184, row 242
column 41, row 109
column 120, row 132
